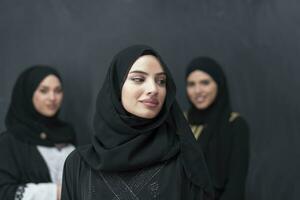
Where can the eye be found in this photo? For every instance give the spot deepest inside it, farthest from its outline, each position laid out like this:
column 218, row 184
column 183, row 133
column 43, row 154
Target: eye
column 205, row 82
column 43, row 90
column 190, row 84
column 137, row 79
column 58, row 90
column 161, row 81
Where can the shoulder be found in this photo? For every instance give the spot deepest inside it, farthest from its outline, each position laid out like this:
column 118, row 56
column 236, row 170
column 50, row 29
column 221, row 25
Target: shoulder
column 76, row 171
column 239, row 127
column 14, row 152
column 5, row 137
column 8, row 141
column 237, row 120
column 75, row 160
column 6, row 145
column 8, row 138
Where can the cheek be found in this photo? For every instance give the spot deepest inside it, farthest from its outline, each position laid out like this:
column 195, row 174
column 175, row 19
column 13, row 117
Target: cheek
column 60, row 98
column 163, row 94
column 125, row 92
column 190, row 93
column 128, row 95
column 37, row 100
column 213, row 92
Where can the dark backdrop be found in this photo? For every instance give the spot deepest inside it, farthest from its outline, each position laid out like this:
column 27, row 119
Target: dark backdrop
column 257, row 42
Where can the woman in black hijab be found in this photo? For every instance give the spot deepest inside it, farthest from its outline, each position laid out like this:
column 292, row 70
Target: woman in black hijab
column 142, row 147
column 222, row 134
column 36, row 143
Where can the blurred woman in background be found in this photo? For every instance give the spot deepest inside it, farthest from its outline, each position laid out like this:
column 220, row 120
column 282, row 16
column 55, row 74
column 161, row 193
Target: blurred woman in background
column 36, row 143
column 222, row 134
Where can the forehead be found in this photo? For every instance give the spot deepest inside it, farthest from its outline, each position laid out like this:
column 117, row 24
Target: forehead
column 50, row 81
column 147, row 63
column 198, row 75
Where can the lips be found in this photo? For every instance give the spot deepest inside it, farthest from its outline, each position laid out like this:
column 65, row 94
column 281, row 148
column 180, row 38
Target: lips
column 152, row 103
column 52, row 107
column 200, row 99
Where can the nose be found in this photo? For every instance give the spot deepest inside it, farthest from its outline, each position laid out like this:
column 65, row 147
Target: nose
column 52, row 96
column 198, row 89
column 152, row 88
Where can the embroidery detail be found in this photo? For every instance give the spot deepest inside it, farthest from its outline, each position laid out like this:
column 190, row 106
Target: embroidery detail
column 90, row 188
column 154, row 189
column 118, row 187
column 19, row 193
column 130, row 190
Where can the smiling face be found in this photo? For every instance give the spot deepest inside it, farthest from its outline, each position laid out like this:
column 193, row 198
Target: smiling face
column 48, row 96
column 201, row 89
column 144, row 90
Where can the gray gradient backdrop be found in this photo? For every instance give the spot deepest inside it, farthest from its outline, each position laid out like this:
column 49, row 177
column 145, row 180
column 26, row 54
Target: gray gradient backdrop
column 257, row 42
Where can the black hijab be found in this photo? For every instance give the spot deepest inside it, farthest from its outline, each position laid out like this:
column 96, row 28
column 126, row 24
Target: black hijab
column 125, row 142
column 22, row 119
column 215, row 119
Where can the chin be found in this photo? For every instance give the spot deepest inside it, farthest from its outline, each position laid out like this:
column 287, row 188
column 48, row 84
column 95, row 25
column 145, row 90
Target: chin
column 201, row 107
column 49, row 114
column 148, row 115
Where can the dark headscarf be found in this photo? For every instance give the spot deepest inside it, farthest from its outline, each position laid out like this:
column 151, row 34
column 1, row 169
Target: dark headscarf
column 215, row 118
column 125, row 142
column 22, row 119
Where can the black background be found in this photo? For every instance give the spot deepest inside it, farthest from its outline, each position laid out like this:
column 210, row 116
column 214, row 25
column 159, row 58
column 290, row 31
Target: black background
column 256, row 41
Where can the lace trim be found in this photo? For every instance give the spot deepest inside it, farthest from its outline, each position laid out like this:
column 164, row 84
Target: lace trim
column 19, row 193
column 131, row 189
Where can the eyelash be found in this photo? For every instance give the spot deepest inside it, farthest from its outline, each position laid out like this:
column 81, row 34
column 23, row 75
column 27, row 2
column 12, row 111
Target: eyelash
column 206, row 82
column 161, row 82
column 192, row 84
column 45, row 91
column 138, row 80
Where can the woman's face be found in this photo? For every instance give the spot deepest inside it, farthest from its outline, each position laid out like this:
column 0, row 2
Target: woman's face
column 48, row 96
column 201, row 89
column 144, row 90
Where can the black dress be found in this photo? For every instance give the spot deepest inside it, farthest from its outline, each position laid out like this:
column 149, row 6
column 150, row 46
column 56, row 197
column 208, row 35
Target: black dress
column 21, row 163
column 162, row 181
column 235, row 151
column 224, row 137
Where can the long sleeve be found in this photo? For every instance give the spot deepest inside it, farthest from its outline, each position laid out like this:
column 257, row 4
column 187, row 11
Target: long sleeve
column 23, row 172
column 238, row 166
column 9, row 173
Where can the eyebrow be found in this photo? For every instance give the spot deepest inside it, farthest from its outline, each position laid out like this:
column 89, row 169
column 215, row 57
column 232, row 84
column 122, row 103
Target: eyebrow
column 142, row 72
column 46, row 86
column 202, row 80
